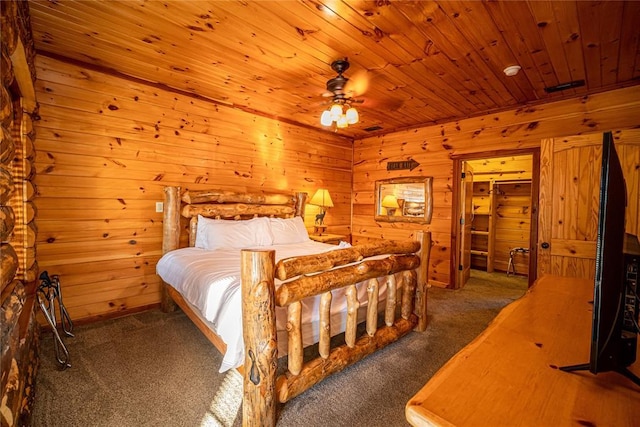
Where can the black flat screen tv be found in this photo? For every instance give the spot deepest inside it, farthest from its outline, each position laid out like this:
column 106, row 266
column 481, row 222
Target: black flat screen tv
column 613, row 347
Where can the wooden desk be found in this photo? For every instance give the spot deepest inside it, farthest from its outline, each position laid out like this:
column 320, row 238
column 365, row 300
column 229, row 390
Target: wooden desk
column 507, row 376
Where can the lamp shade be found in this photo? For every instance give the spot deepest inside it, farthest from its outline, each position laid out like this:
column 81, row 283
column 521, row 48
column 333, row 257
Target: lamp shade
column 322, row 198
column 390, row 201
column 336, row 112
column 325, row 119
column 352, row 116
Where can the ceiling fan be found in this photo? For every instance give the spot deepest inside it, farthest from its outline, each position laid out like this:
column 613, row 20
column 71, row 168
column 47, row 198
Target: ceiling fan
column 342, row 91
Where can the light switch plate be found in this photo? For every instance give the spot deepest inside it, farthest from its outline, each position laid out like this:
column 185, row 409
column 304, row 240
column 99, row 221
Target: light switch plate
column 159, row 206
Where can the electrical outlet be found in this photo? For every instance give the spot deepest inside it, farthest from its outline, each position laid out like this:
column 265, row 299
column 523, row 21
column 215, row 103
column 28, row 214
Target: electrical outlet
column 159, row 206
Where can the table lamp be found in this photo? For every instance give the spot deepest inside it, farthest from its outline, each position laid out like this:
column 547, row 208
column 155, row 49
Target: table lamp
column 390, row 203
column 322, row 199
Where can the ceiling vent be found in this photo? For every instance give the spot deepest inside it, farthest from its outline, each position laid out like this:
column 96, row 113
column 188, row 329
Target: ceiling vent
column 373, row 128
column 563, row 86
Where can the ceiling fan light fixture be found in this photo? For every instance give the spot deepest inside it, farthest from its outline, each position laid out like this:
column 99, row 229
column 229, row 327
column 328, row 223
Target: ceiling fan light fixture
column 352, row 116
column 341, row 99
column 325, row 118
column 336, row 111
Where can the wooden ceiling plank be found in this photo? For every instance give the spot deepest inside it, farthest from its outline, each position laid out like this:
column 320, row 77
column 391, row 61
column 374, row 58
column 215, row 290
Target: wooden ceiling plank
column 306, row 101
column 224, row 88
column 489, row 44
column 566, row 18
column 94, row 82
column 544, row 16
column 278, row 102
column 446, row 32
column 313, row 37
column 608, row 12
column 119, row 61
column 629, row 58
column 362, row 47
column 280, row 39
column 403, row 36
column 589, row 29
column 515, row 21
column 441, row 39
column 358, row 17
column 394, row 79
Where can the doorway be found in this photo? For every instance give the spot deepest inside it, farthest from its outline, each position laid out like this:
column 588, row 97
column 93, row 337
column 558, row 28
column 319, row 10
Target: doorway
column 495, row 215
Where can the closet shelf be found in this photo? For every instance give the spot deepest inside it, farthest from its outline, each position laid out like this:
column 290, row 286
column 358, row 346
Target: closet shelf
column 482, row 253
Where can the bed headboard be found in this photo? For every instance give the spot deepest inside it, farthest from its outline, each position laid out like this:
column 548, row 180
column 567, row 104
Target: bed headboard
column 221, row 204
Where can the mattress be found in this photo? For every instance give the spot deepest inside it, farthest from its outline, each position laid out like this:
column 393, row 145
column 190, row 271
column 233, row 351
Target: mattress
column 210, row 281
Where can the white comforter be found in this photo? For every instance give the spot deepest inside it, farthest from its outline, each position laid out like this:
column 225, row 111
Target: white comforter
column 210, row 280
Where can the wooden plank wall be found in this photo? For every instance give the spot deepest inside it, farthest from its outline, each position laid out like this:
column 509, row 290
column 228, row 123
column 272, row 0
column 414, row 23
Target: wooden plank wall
column 570, row 195
column 106, row 148
column 434, row 146
column 512, row 210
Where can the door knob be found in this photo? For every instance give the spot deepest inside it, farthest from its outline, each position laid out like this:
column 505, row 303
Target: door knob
column 544, row 245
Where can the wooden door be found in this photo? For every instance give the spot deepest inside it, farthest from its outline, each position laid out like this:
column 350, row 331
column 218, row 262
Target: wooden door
column 569, row 200
column 466, row 219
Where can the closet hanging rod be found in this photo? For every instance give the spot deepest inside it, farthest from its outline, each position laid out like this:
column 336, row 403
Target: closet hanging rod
column 516, row 181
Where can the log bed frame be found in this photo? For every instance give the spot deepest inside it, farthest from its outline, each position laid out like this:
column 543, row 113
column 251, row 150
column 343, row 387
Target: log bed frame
column 263, row 390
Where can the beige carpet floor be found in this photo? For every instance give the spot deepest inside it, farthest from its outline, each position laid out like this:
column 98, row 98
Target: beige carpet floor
column 156, row 369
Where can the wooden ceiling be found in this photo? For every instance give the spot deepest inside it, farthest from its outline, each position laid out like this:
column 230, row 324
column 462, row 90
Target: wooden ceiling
column 425, row 62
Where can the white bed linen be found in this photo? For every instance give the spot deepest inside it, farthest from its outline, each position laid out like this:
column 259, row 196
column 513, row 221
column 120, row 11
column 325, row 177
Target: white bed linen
column 210, row 280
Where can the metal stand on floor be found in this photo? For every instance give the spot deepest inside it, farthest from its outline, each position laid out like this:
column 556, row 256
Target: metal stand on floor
column 512, row 252
column 47, row 293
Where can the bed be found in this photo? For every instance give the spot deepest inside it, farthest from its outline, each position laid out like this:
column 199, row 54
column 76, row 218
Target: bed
column 283, row 292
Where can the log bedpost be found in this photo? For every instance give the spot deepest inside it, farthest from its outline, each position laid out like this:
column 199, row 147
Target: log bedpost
column 170, row 236
column 408, row 293
column 294, row 331
column 372, row 306
column 324, row 345
column 259, row 333
column 422, row 285
column 392, row 293
column 351, row 326
column 301, row 199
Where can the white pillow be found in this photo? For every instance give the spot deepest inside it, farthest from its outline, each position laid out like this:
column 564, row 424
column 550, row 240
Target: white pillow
column 214, row 234
column 288, row 230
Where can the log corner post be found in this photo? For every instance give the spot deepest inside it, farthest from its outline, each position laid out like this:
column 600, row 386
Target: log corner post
column 259, row 333
column 424, row 237
column 170, row 236
column 301, row 199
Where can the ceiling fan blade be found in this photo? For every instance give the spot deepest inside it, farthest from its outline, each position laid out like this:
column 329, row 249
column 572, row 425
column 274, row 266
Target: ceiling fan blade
column 389, row 104
column 357, row 84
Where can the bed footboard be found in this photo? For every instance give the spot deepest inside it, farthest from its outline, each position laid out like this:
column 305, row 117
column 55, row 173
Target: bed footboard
column 262, row 390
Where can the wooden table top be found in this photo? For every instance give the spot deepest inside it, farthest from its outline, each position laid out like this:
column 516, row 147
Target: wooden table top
column 328, row 238
column 508, row 376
